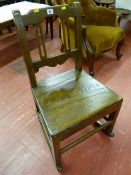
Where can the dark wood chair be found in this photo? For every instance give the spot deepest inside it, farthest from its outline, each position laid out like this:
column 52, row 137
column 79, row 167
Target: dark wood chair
column 70, row 101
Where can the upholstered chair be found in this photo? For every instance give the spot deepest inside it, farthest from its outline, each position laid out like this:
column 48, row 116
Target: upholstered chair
column 100, row 30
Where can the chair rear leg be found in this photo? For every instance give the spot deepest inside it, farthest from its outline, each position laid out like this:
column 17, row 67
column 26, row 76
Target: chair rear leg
column 118, row 49
column 57, row 152
column 112, row 117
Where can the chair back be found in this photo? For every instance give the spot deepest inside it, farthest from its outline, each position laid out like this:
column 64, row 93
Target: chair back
column 35, row 18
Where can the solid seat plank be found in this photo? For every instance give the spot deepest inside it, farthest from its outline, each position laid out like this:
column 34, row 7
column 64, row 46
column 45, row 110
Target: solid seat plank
column 66, row 101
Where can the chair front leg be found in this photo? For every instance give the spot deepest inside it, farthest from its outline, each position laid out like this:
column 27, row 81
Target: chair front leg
column 57, row 152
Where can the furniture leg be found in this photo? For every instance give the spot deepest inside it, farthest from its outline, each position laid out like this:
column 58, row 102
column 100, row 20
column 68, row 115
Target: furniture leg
column 46, row 26
column 90, row 60
column 51, row 27
column 113, row 117
column 118, row 49
column 9, row 29
column 1, row 32
column 49, row 20
column 56, row 152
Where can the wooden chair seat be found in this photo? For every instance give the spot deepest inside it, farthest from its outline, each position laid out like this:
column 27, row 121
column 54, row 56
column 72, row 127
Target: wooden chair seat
column 79, row 99
column 70, row 101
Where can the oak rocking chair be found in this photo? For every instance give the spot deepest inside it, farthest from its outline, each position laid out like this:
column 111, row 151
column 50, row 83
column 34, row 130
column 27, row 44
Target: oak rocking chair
column 70, row 101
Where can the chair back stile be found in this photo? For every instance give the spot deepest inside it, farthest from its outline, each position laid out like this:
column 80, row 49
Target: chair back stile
column 36, row 18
